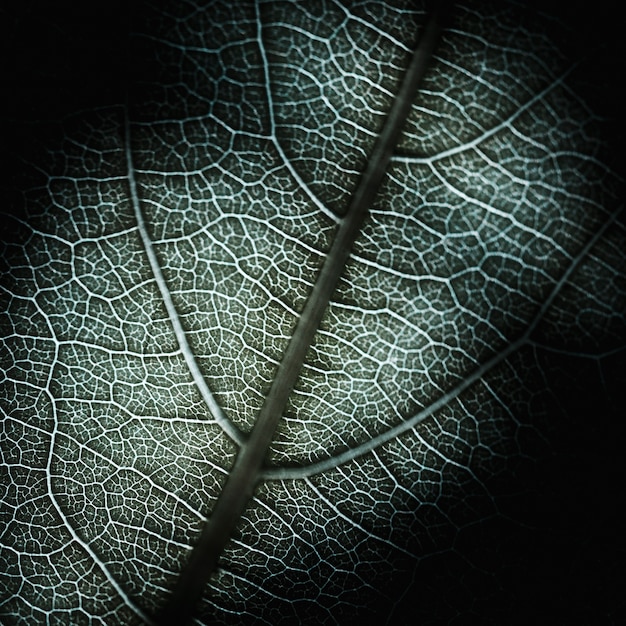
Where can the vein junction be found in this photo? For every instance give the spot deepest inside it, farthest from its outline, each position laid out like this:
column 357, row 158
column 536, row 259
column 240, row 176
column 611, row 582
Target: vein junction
column 246, row 472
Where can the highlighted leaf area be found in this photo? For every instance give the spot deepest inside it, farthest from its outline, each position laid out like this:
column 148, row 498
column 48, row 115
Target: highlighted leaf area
column 311, row 313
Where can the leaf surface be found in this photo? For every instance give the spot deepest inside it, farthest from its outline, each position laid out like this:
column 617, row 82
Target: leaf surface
column 163, row 251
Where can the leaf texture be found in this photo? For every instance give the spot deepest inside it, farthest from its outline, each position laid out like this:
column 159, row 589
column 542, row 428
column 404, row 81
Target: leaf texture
column 429, row 464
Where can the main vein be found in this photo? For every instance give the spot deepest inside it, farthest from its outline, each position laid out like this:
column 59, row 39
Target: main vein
column 246, row 471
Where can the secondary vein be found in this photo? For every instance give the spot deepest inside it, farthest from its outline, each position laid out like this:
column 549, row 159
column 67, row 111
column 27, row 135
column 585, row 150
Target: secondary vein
column 216, row 411
column 246, row 471
column 332, row 462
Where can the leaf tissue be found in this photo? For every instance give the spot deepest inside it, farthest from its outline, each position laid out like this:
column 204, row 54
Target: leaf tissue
column 312, row 313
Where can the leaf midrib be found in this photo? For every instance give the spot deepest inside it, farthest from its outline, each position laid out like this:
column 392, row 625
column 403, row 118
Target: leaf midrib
column 246, row 472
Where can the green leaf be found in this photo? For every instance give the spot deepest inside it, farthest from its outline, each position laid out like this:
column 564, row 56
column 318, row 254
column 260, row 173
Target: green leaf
column 448, row 446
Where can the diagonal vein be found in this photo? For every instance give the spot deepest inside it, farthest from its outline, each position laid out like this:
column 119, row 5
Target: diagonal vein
column 246, row 471
column 287, row 473
column 279, row 148
column 216, row 411
column 506, row 124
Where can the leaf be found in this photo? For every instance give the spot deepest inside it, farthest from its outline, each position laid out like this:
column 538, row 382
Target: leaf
column 449, row 445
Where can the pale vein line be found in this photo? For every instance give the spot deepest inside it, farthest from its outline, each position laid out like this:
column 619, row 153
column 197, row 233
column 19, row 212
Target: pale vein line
column 372, row 25
column 244, row 219
column 75, row 537
column 354, row 453
column 132, row 470
column 277, row 144
column 493, row 210
column 368, row 533
column 489, row 133
column 598, row 356
column 216, row 411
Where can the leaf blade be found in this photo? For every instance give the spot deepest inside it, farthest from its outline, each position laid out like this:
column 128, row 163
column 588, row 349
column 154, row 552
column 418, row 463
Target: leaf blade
column 245, row 473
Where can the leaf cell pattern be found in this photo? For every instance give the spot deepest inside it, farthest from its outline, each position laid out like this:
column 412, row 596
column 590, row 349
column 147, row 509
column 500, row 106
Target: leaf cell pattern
column 163, row 252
